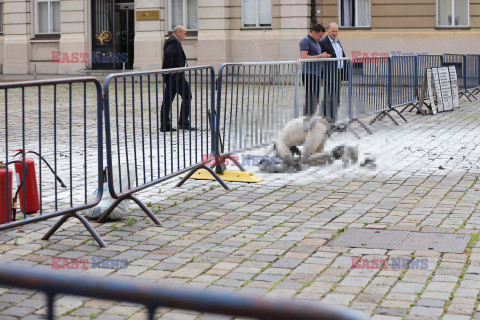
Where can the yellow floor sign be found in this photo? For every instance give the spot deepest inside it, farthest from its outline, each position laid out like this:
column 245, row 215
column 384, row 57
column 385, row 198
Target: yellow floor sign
column 234, row 176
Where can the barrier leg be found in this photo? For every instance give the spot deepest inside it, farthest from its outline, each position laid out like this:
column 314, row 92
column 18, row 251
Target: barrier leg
column 349, row 128
column 237, row 163
column 84, row 221
column 416, row 106
column 110, row 209
column 146, row 210
column 209, row 170
column 393, row 119
column 471, row 94
column 466, row 96
column 378, row 117
column 151, row 313
column 364, row 125
column 400, row 114
column 381, row 115
column 105, row 214
column 215, row 165
column 405, row 108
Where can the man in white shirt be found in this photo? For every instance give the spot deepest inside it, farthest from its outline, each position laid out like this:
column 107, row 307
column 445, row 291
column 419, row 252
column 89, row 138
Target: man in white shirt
column 334, row 71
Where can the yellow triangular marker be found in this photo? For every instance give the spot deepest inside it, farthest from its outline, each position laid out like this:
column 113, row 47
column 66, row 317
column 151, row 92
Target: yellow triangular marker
column 234, row 176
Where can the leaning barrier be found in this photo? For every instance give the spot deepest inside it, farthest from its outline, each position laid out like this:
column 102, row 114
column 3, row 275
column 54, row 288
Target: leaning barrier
column 60, row 142
column 153, row 296
column 140, row 147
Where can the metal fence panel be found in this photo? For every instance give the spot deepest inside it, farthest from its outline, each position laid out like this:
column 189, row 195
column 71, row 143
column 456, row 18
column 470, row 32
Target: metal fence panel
column 60, row 122
column 423, row 63
column 254, row 102
column 472, row 71
column 140, row 148
column 371, row 85
column 404, row 80
column 457, row 60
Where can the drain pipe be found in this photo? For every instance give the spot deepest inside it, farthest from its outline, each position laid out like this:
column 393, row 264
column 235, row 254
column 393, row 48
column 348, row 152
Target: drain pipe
column 313, row 19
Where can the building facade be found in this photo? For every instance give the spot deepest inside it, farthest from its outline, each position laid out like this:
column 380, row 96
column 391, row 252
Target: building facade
column 69, row 36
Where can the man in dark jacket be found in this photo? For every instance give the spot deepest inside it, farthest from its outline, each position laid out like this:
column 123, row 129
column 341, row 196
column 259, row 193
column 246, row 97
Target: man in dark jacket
column 335, row 72
column 174, row 57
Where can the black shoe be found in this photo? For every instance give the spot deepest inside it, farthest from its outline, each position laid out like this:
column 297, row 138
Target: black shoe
column 168, row 129
column 187, row 127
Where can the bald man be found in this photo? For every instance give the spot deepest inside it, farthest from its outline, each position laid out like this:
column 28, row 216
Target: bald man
column 334, row 72
column 174, row 57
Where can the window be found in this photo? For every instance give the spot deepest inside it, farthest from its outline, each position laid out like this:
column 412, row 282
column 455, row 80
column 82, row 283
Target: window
column 355, row 13
column 452, row 13
column 183, row 12
column 47, row 16
column 257, row 13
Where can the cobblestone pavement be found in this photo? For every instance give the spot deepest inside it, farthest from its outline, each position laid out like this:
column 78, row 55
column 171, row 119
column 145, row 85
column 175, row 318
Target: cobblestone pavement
column 272, row 237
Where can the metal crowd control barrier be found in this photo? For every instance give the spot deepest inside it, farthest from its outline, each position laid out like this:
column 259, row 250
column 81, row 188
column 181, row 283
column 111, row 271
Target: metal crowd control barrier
column 404, row 83
column 371, row 87
column 141, row 148
column 423, row 63
column 459, row 61
column 472, row 74
column 254, row 102
column 59, row 162
column 153, row 296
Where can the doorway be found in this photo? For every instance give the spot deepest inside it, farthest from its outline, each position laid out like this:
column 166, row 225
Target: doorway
column 113, row 33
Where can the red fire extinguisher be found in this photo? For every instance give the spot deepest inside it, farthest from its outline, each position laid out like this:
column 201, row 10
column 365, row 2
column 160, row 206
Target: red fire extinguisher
column 29, row 186
column 5, row 197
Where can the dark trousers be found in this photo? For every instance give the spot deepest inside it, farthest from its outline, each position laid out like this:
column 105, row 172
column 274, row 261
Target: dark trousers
column 331, row 90
column 313, row 84
column 175, row 84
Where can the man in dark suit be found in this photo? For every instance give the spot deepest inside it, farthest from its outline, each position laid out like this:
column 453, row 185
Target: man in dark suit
column 334, row 72
column 174, row 57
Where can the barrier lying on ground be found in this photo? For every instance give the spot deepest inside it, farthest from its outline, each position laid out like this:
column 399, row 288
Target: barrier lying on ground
column 153, row 296
column 40, row 119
